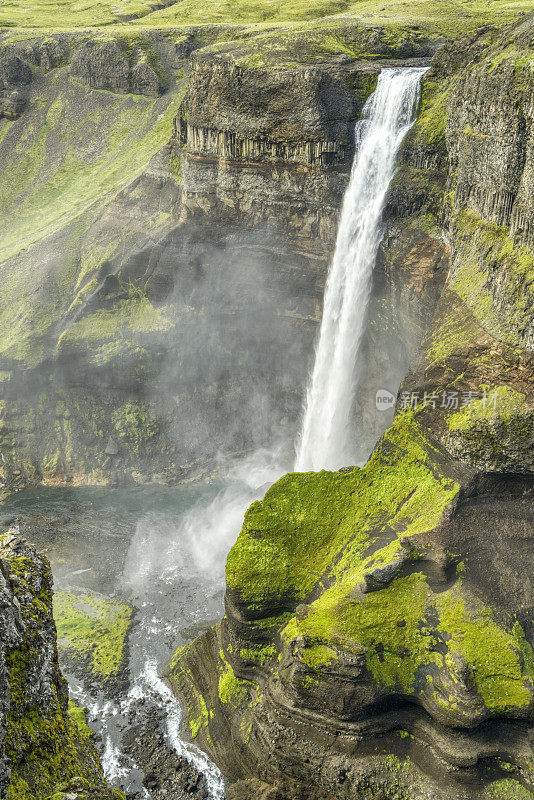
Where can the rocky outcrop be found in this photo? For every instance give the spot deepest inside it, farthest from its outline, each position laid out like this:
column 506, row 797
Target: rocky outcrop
column 378, row 638
column 127, row 68
column 17, row 60
column 15, row 75
column 43, row 751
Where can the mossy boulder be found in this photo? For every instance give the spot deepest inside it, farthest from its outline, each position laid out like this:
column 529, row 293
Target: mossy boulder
column 81, row 789
column 93, row 638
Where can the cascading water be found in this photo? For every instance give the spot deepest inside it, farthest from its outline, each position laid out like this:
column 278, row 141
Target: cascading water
column 328, row 438
column 183, row 556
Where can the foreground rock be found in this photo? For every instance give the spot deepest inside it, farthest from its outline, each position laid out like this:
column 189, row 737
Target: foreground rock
column 378, row 634
column 44, row 750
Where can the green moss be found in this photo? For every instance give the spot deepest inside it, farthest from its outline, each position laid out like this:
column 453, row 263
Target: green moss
column 81, row 789
column 391, row 628
column 197, row 722
column 487, row 255
column 328, row 530
column 318, row 656
column 232, row 689
column 95, row 628
column 433, row 115
column 491, row 653
column 91, row 259
column 524, row 648
column 508, row 789
column 500, row 402
column 259, row 654
column 308, row 523
column 127, row 317
column 197, row 711
column 78, row 716
column 43, row 745
column 497, row 428
column 135, row 424
column 388, row 626
column 457, row 331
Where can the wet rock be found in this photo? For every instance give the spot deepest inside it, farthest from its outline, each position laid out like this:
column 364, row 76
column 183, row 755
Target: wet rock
column 112, row 447
column 166, row 775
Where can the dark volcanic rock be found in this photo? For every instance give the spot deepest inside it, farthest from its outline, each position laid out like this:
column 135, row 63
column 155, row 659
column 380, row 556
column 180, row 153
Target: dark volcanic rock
column 107, row 65
column 167, row 776
column 15, row 76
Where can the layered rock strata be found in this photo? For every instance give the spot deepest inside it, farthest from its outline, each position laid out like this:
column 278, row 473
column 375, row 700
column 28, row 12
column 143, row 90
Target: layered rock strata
column 220, row 236
column 378, row 634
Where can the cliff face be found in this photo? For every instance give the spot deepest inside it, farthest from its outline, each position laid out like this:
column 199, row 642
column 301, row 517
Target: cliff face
column 125, row 247
column 44, row 749
column 378, row 635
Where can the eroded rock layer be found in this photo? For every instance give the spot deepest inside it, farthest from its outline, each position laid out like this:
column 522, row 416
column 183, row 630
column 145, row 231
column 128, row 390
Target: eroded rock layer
column 378, row 632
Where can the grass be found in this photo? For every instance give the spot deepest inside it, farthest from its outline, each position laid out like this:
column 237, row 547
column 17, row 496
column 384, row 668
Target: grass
column 62, row 163
column 58, row 169
column 450, row 17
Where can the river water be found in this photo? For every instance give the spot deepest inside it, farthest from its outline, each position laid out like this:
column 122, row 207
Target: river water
column 162, row 551
column 133, row 546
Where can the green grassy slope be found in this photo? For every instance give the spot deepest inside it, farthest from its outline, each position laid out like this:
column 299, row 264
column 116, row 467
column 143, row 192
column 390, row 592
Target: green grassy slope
column 444, row 16
column 62, row 163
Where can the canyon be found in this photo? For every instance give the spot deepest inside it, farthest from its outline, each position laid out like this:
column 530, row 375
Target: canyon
column 170, row 200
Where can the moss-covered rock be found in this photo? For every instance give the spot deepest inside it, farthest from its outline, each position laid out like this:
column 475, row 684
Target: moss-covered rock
column 81, row 789
column 44, row 742
column 93, row 637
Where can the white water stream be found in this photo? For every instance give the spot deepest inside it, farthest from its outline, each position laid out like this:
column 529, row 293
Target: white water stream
column 328, row 433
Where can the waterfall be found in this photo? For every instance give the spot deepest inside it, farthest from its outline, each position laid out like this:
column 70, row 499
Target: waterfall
column 328, row 437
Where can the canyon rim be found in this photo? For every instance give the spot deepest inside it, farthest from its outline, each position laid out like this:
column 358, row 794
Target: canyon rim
column 266, row 400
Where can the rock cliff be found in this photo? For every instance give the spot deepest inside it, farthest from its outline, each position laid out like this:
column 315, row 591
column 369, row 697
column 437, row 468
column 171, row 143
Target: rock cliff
column 378, row 633
column 219, row 235
column 46, row 748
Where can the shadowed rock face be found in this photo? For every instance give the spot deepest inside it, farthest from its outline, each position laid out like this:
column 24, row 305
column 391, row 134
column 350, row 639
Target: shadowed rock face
column 378, row 632
column 15, row 75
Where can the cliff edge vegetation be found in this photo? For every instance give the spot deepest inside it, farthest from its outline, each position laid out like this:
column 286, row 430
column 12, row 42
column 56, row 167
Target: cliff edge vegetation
column 378, row 633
